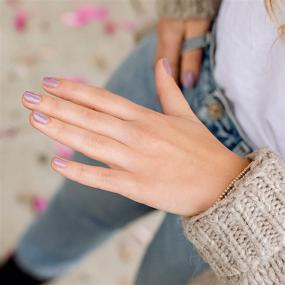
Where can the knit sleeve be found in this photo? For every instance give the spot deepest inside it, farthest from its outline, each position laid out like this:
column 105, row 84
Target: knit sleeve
column 188, row 9
column 242, row 237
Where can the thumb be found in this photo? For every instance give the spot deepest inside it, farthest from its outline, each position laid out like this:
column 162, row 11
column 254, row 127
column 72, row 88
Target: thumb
column 170, row 95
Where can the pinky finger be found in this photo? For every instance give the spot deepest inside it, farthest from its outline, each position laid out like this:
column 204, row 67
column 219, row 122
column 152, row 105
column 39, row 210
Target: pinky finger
column 111, row 180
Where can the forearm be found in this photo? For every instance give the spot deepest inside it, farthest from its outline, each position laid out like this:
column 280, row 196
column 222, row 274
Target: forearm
column 242, row 237
column 188, row 9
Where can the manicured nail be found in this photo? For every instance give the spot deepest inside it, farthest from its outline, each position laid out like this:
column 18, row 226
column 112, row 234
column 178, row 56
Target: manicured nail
column 58, row 162
column 188, row 80
column 50, row 82
column 31, row 97
column 40, row 117
column 167, row 66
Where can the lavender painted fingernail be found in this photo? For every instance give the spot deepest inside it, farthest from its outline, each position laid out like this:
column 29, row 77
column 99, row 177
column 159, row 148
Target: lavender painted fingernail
column 167, row 66
column 50, row 82
column 31, row 97
column 59, row 162
column 40, row 117
column 188, row 80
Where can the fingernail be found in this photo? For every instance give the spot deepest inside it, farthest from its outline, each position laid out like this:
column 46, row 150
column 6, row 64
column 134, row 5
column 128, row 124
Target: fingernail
column 167, row 66
column 188, row 80
column 58, row 162
column 31, row 97
column 40, row 117
column 50, row 82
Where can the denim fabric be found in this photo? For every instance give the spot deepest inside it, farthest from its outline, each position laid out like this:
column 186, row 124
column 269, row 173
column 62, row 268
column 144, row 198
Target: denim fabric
column 79, row 218
column 213, row 108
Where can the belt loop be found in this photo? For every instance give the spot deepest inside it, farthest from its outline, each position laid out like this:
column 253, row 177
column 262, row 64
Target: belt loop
column 213, row 45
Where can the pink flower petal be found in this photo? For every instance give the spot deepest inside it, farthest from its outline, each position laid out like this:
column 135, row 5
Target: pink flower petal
column 92, row 12
column 20, row 20
column 8, row 132
column 39, row 204
column 77, row 79
column 71, row 19
column 84, row 15
column 110, row 27
column 63, row 150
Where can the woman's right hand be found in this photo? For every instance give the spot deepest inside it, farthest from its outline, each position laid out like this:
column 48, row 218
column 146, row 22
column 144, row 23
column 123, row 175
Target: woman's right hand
column 169, row 161
column 171, row 34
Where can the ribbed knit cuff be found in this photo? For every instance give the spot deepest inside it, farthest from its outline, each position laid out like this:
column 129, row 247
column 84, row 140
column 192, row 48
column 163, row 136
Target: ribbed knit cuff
column 242, row 237
column 188, row 9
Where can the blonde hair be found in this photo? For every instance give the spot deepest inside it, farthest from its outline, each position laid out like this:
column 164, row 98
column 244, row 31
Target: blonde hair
column 277, row 13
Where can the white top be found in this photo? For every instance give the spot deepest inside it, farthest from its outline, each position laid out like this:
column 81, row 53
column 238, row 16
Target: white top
column 250, row 67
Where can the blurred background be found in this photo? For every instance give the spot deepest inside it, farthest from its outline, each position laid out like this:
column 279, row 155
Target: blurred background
column 84, row 41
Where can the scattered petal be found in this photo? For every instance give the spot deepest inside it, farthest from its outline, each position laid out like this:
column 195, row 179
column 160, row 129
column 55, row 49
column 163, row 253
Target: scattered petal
column 84, row 15
column 110, row 27
column 39, row 204
column 8, row 132
column 63, row 150
column 20, row 20
column 77, row 79
column 71, row 19
column 92, row 12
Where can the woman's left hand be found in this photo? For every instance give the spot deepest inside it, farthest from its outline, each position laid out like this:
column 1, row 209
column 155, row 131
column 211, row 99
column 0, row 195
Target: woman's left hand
column 168, row 161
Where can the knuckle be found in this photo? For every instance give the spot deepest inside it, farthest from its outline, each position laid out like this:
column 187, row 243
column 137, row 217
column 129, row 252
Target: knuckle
column 72, row 87
column 146, row 131
column 58, row 129
column 86, row 114
column 133, row 132
column 80, row 171
column 104, row 176
column 134, row 128
column 90, row 141
column 51, row 105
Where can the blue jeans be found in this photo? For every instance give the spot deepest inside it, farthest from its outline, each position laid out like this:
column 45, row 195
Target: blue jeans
column 79, row 219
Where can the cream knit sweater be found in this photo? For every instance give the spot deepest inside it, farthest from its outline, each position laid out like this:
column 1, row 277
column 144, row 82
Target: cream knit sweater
column 243, row 236
column 188, row 9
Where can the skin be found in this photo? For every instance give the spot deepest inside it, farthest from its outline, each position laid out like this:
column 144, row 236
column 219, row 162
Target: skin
column 170, row 35
column 168, row 160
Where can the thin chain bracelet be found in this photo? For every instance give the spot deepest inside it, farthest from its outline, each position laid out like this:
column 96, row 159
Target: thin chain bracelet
column 231, row 185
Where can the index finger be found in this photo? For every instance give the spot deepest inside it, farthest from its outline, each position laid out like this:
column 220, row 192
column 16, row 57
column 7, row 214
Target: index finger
column 94, row 97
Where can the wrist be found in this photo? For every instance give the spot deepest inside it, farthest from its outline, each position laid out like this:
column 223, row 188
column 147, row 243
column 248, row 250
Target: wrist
column 228, row 169
column 231, row 186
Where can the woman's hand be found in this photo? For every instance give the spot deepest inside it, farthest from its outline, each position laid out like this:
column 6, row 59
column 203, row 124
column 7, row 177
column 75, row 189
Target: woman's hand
column 168, row 161
column 170, row 35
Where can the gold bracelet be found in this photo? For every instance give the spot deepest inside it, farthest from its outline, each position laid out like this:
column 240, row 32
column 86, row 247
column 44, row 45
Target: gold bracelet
column 231, row 185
